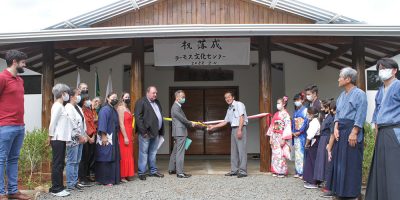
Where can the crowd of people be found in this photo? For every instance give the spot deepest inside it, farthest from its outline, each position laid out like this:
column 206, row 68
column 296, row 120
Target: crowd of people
column 94, row 141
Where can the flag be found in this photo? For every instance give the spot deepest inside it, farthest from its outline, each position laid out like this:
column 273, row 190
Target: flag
column 78, row 78
column 96, row 84
column 109, row 85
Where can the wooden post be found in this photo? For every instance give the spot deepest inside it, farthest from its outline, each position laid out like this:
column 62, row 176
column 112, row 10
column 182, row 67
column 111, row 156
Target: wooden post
column 137, row 78
column 47, row 82
column 265, row 82
column 359, row 61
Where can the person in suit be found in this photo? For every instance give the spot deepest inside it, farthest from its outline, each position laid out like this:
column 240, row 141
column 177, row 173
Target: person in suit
column 150, row 127
column 179, row 131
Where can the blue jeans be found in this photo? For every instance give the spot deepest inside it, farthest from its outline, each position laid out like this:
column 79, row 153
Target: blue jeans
column 74, row 155
column 11, row 139
column 147, row 154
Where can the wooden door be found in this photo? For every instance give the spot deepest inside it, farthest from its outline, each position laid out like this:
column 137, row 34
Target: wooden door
column 219, row 141
column 194, row 111
column 206, row 104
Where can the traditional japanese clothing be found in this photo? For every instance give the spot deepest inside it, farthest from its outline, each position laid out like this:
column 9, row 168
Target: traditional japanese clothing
column 347, row 161
column 384, row 176
column 108, row 156
column 280, row 129
column 322, row 155
column 299, row 124
column 311, row 152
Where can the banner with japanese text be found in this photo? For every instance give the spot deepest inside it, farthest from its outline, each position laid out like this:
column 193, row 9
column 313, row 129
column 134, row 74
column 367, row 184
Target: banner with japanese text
column 201, row 51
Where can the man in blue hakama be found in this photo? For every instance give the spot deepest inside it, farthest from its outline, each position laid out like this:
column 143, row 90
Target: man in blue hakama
column 347, row 154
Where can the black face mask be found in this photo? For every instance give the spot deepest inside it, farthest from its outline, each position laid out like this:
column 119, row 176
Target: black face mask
column 20, row 70
column 114, row 102
column 127, row 101
column 85, row 92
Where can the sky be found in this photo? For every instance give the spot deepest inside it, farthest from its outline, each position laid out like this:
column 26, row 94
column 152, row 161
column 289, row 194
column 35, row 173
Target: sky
column 34, row 15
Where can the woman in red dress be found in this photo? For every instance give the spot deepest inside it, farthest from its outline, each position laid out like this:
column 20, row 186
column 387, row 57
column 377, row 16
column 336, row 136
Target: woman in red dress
column 125, row 138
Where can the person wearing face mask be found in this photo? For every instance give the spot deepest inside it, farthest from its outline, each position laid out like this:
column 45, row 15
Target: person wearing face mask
column 299, row 125
column 58, row 137
column 327, row 190
column 78, row 138
column 348, row 150
column 107, row 144
column 311, row 148
column 313, row 100
column 384, row 175
column 88, row 148
column 280, row 131
column 326, row 130
column 84, row 88
column 126, row 138
column 180, row 124
column 12, row 127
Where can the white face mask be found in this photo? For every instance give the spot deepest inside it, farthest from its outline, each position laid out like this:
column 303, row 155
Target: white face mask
column 309, row 97
column 385, row 74
column 78, row 99
column 88, row 103
column 279, row 106
column 297, row 103
column 65, row 97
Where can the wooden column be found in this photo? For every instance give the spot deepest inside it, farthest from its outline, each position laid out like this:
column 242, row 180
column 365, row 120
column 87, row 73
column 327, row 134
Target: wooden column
column 359, row 61
column 265, row 93
column 47, row 82
column 137, row 80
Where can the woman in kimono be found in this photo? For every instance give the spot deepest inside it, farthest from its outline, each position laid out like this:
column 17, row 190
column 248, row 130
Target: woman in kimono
column 326, row 130
column 280, row 132
column 299, row 125
column 107, row 145
column 384, row 174
column 311, row 147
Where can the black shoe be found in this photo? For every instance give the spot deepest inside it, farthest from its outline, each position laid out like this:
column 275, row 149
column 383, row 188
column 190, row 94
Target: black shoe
column 240, row 175
column 183, row 175
column 78, row 188
column 85, row 184
column 157, row 174
column 171, row 172
column 231, row 174
column 142, row 177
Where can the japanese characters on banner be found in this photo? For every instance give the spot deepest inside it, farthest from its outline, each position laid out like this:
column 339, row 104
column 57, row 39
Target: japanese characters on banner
column 201, row 51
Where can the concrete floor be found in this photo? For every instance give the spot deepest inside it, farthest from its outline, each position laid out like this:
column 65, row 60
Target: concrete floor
column 212, row 164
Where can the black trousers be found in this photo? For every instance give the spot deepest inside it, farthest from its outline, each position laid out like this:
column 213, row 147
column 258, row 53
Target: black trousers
column 87, row 161
column 58, row 164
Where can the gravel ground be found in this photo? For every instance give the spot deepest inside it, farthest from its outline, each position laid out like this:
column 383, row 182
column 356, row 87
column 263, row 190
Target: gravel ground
column 201, row 187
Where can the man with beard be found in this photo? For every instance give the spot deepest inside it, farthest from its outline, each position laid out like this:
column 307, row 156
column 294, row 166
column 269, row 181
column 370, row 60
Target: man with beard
column 12, row 127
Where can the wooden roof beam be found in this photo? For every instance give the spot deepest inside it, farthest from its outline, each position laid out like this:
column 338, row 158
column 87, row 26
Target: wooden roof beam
column 73, row 59
column 333, row 56
column 91, row 43
column 312, row 39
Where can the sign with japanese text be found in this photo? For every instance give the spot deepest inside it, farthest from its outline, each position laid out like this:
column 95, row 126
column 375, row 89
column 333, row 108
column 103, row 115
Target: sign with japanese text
column 201, row 51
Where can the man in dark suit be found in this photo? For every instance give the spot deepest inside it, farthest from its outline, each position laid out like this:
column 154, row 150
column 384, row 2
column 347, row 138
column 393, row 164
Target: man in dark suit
column 150, row 127
column 179, row 131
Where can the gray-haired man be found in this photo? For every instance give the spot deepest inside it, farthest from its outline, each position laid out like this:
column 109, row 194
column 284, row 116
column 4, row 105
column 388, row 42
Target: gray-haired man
column 179, row 131
column 237, row 117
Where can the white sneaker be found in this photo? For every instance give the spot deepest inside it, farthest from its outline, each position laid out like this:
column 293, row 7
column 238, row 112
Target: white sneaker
column 63, row 193
column 296, row 176
column 310, row 186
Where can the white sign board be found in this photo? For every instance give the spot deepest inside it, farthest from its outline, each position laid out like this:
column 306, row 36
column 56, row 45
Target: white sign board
column 201, row 51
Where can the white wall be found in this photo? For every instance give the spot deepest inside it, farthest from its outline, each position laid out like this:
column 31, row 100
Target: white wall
column 299, row 73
